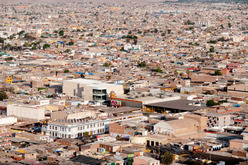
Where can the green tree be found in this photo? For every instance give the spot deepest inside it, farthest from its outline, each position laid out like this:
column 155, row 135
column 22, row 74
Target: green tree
column 106, row 64
column 229, row 25
column 61, row 33
column 71, row 43
column 210, row 103
column 82, row 75
column 155, row 30
column 67, row 50
column 45, row 46
column 3, row 95
column 211, row 49
column 142, row 64
column 135, row 37
column 158, row 70
column 66, row 71
column 163, row 34
column 86, row 134
column 9, row 59
column 167, row 158
column 217, row 73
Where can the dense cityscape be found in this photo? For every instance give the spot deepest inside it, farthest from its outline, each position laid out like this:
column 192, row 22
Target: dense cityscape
column 124, row 82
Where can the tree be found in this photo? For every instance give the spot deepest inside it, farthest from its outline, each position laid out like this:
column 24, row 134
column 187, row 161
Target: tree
column 9, row 59
column 82, row 75
column 163, row 34
column 67, row 50
column 135, row 37
column 106, row 64
column 217, row 73
column 211, row 49
column 167, row 158
column 176, row 73
column 86, row 134
column 158, row 70
column 71, row 43
column 155, row 30
column 142, row 64
column 3, row 95
column 66, row 71
column 45, row 46
column 229, row 25
column 61, row 33
column 210, row 103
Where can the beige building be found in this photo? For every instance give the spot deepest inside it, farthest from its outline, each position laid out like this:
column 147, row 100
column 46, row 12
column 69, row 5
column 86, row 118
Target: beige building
column 26, row 112
column 190, row 126
column 91, row 90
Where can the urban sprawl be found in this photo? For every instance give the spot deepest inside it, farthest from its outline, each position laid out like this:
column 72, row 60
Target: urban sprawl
column 123, row 83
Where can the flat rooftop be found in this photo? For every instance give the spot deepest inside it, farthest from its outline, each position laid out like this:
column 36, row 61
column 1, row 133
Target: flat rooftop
column 92, row 83
column 184, row 105
column 113, row 110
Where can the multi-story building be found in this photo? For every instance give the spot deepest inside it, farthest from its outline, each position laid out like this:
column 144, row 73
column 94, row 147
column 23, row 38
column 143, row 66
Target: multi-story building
column 91, row 90
column 219, row 120
column 5, row 138
column 74, row 128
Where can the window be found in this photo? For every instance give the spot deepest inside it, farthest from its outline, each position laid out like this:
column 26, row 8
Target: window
column 69, row 129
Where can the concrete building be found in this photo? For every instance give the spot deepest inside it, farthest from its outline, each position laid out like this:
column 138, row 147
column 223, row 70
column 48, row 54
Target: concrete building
column 91, row 90
column 219, row 120
column 26, row 112
column 189, row 126
column 7, row 120
column 74, row 128
column 5, row 137
column 125, row 130
column 145, row 161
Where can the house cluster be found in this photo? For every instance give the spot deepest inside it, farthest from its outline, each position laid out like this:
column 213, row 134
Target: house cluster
column 123, row 83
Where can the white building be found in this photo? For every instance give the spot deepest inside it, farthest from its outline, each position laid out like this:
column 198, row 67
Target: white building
column 91, row 90
column 26, row 112
column 74, row 128
column 8, row 120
